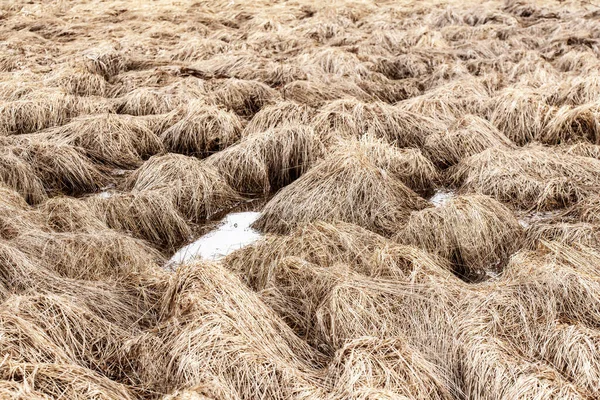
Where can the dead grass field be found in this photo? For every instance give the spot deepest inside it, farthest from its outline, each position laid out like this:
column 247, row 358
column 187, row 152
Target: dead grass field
column 427, row 175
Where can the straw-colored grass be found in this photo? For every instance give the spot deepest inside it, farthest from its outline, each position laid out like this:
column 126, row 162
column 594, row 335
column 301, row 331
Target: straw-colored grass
column 148, row 215
column 476, row 233
column 245, row 98
column 341, row 188
column 531, row 177
column 269, row 160
column 112, row 139
column 468, row 136
column 69, row 214
column 573, row 124
column 199, row 191
column 203, row 130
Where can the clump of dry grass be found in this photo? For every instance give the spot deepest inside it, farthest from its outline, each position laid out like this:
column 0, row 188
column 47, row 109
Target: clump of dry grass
column 386, row 364
column 325, row 244
column 148, row 215
column 468, row 136
column 582, row 149
column 476, row 233
column 68, row 214
column 572, row 124
column 203, row 130
column 567, row 233
column 36, row 112
column 145, row 101
column 250, row 349
column 62, row 168
column 106, row 61
column 520, row 114
column 245, row 98
column 531, row 177
column 352, row 119
column 198, row 190
column 107, row 254
column 342, row 187
column 21, row 177
column 79, row 82
column 41, row 381
column 318, row 94
column 577, row 90
column 269, row 160
column 109, row 138
column 277, row 115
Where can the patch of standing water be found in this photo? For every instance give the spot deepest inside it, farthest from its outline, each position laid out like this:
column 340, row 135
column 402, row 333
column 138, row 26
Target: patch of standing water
column 441, row 196
column 233, row 233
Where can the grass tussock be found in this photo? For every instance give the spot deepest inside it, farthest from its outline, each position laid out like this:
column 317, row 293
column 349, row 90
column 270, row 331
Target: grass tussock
column 68, row 214
column 531, row 177
column 107, row 254
column 573, row 124
column 466, row 137
column 203, row 130
column 476, row 233
column 326, row 244
column 245, row 98
column 198, row 190
column 148, row 215
column 269, row 160
column 340, row 188
column 113, row 139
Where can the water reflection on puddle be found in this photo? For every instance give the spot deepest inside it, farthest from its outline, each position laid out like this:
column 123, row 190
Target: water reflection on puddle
column 234, row 232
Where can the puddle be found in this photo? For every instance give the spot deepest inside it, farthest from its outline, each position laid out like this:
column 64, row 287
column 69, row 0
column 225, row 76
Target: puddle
column 441, row 196
column 234, row 232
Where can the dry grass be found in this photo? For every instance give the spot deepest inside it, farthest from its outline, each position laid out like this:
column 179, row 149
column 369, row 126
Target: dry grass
column 340, row 188
column 466, row 137
column 269, row 160
column 128, row 130
column 476, row 233
column 148, row 215
column 203, row 130
column 112, row 139
column 198, row 190
column 532, row 177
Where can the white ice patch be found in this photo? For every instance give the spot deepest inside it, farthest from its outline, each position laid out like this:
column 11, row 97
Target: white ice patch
column 105, row 195
column 233, row 233
column 441, row 196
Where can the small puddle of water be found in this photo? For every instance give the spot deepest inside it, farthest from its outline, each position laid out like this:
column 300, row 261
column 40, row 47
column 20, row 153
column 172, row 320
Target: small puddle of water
column 233, row 233
column 441, row 196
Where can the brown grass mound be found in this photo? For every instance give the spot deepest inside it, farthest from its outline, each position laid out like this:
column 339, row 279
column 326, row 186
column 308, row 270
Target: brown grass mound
column 319, row 94
column 203, row 130
column 269, row 160
column 249, row 349
column 55, row 380
column 113, row 139
column 326, row 244
column 79, row 82
column 352, row 119
column 62, row 168
column 146, row 101
column 386, row 364
column 520, row 114
column 566, row 233
column 476, row 233
column 279, row 114
column 47, row 328
column 106, row 61
column 468, row 136
column 573, row 124
column 577, row 90
column 149, row 215
column 342, row 187
column 531, row 177
column 21, row 177
column 582, row 149
column 68, row 214
column 245, row 98
column 37, row 112
column 107, row 254
column 198, row 189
